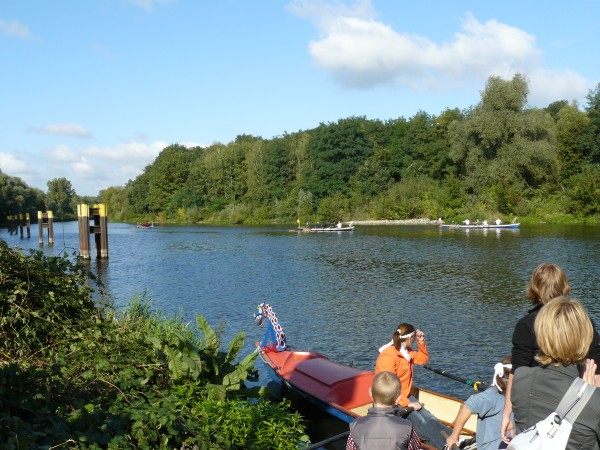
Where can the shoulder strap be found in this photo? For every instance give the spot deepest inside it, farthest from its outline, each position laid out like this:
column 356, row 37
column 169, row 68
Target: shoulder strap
column 575, row 400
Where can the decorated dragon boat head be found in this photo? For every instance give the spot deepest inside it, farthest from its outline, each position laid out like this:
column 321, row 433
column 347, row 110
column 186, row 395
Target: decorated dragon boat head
column 259, row 314
column 274, row 333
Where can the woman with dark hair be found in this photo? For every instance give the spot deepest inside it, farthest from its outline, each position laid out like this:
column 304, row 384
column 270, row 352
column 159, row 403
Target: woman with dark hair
column 564, row 333
column 398, row 357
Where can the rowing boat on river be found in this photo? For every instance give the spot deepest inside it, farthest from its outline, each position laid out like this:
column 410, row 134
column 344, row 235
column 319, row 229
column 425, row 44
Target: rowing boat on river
column 325, row 229
column 505, row 226
column 340, row 390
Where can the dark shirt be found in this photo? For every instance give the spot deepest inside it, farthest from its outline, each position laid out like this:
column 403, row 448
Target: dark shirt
column 382, row 428
column 537, row 391
column 525, row 345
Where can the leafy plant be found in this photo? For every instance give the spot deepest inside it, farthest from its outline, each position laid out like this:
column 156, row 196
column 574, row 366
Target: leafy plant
column 189, row 359
column 76, row 375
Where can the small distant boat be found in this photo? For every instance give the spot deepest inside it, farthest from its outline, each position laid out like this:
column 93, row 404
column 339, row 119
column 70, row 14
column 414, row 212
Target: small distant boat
column 325, row 229
column 145, row 225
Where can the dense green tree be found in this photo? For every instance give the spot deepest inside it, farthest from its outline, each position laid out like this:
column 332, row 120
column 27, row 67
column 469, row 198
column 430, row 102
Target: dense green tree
column 137, row 194
column 501, row 148
column 60, row 198
column 168, row 172
column 115, row 199
column 554, row 108
column 16, row 197
column 489, row 158
column 584, row 193
column 277, row 166
column 590, row 145
column 570, row 127
column 337, row 151
column 374, row 175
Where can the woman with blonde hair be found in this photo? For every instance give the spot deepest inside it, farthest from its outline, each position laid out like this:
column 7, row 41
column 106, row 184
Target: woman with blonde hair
column 547, row 281
column 564, row 334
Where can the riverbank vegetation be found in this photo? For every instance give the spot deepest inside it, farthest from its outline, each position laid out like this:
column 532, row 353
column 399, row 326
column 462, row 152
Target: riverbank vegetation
column 74, row 374
column 499, row 158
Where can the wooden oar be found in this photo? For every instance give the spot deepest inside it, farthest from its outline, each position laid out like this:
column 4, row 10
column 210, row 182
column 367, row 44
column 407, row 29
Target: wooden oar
column 477, row 385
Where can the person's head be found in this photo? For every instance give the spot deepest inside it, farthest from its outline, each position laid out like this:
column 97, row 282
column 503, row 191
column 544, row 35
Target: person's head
column 501, row 372
column 404, row 333
column 386, row 388
column 563, row 331
column 547, row 282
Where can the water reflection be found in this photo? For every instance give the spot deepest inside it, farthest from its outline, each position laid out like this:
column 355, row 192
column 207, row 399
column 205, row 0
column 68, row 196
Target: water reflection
column 342, row 294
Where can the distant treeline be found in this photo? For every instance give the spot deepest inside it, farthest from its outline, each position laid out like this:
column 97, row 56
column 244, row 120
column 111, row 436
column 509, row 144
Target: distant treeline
column 497, row 158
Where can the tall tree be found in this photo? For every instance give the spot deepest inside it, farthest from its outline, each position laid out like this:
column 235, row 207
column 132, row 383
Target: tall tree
column 591, row 136
column 336, row 150
column 168, row 172
column 60, row 197
column 570, row 127
column 501, row 148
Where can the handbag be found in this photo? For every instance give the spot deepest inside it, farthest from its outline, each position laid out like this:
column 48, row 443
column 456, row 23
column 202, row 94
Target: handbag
column 552, row 433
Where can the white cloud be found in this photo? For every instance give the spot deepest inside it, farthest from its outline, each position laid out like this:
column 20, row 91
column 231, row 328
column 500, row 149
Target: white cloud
column 89, row 169
column 547, row 86
column 63, row 153
column 15, row 29
column 11, row 165
column 361, row 52
column 65, row 129
column 130, row 151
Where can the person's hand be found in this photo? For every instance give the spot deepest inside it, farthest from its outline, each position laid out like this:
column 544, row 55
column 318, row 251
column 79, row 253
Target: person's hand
column 589, row 372
column 507, row 426
column 415, row 405
column 451, row 440
column 420, row 336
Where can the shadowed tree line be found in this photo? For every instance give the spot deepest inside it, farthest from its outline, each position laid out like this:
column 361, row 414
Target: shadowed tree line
column 497, row 158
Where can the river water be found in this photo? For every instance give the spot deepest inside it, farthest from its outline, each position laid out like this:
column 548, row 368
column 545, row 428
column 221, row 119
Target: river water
column 342, row 294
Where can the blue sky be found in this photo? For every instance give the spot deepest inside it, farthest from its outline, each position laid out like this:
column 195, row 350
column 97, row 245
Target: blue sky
column 93, row 90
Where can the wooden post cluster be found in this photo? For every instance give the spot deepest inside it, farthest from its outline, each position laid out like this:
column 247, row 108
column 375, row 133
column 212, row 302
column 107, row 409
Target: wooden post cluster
column 46, row 220
column 99, row 229
column 24, row 222
column 12, row 224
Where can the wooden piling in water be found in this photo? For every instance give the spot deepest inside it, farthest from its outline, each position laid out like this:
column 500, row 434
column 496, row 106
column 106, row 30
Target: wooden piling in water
column 99, row 229
column 28, row 223
column 45, row 220
column 11, row 224
column 24, row 223
column 83, row 219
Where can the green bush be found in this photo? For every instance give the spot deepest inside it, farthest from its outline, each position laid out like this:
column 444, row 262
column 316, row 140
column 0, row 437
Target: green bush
column 75, row 375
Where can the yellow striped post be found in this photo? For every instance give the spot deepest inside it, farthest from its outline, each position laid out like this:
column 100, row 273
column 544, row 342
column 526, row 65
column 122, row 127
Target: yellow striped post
column 101, row 230
column 28, row 223
column 83, row 219
column 21, row 222
column 50, row 228
column 41, row 227
column 45, row 220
